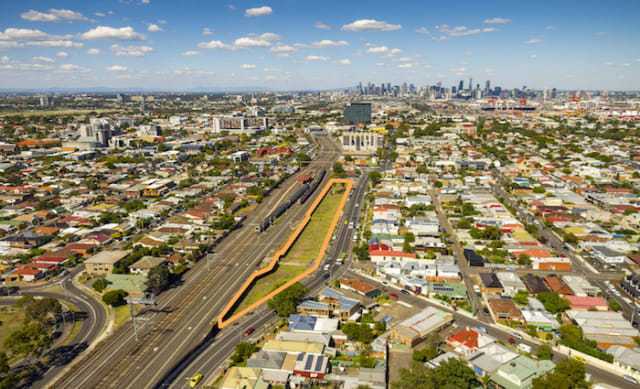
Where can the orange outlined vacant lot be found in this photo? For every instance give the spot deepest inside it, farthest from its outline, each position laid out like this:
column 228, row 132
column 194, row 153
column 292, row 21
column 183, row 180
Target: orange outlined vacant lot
column 223, row 323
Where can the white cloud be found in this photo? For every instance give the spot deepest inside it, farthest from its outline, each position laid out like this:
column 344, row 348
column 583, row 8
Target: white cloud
column 345, row 61
column 58, row 43
column 380, row 64
column 130, row 51
column 269, row 36
column 533, row 56
column 10, row 45
column 62, row 54
column 497, row 21
column 100, row 14
column 395, row 52
column 422, row 30
column 42, row 59
column 403, row 59
column 4, row 59
column 116, row 68
column 610, row 63
column 316, row 58
column 626, row 65
column 370, row 25
column 26, row 34
column 93, row 51
column 27, row 67
column 283, row 50
column 207, row 31
column 260, row 11
column 323, row 44
column 231, row 7
column 322, row 26
column 190, row 53
column 73, row 68
column 269, row 77
column 118, row 34
column 490, row 71
column 600, row 33
column 213, row 45
column 247, row 66
column 248, row 41
column 550, row 28
column 378, row 50
column 154, row 27
column 405, row 65
column 458, row 31
column 533, row 41
column 162, row 21
column 146, row 1
column 53, row 15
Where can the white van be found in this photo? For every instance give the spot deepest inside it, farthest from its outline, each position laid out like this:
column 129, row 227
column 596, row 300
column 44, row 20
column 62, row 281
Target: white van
column 524, row 348
column 326, row 267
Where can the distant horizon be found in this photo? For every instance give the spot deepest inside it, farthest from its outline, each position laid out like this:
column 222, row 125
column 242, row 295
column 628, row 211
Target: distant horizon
column 279, row 45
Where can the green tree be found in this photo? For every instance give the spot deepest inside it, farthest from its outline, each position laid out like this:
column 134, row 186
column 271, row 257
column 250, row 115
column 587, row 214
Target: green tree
column 409, row 238
column 24, row 301
column 285, row 302
column 362, row 252
column 375, row 177
column 29, row 341
column 338, row 170
column 4, row 363
column 544, row 351
column 159, row 278
column 614, row 305
column 426, row 354
column 39, row 311
column 100, row 284
column 115, row 298
column 568, row 374
column 524, row 259
column 553, row 302
column 521, row 297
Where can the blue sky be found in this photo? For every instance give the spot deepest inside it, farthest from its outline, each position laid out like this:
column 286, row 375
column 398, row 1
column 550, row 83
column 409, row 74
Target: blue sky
column 304, row 44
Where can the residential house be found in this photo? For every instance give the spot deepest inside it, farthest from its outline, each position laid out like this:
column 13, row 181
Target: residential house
column 413, row 329
column 103, row 263
column 505, row 309
column 520, row 372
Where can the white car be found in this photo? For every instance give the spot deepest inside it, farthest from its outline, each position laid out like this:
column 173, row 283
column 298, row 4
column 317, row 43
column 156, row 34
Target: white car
column 630, row 379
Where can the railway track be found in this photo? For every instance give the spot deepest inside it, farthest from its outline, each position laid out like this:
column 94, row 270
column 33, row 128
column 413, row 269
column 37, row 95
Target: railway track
column 120, row 356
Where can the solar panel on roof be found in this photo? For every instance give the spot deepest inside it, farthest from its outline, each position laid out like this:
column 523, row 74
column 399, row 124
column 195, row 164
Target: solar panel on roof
column 318, row 363
column 300, row 357
column 307, row 365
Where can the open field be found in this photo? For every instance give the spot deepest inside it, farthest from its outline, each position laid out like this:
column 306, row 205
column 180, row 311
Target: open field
column 302, row 253
column 11, row 321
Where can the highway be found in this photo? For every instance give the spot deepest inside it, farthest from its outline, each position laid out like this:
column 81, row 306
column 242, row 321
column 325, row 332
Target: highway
column 211, row 358
column 182, row 320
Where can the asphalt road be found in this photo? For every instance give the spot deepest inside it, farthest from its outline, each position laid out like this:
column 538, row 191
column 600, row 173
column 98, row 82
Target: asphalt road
column 181, row 322
column 218, row 350
column 93, row 317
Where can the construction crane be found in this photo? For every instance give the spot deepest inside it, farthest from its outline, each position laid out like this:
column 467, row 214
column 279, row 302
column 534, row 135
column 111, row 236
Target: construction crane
column 577, row 98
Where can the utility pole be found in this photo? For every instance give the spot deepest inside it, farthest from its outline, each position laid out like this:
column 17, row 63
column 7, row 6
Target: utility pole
column 146, row 299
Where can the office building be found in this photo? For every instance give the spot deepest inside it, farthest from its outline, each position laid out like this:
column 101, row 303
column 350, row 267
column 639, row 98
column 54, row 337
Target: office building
column 362, row 141
column 355, row 113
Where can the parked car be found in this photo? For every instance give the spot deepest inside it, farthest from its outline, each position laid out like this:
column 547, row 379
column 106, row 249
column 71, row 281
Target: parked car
column 524, row 348
column 404, row 291
column 249, row 331
column 579, row 359
column 517, row 335
column 485, row 310
column 325, row 276
column 393, row 296
column 481, row 329
column 630, row 379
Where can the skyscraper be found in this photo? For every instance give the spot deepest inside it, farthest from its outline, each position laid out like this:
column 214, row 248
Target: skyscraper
column 461, row 85
column 487, row 86
column 470, row 83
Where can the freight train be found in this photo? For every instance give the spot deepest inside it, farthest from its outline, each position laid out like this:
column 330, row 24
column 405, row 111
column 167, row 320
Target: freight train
column 301, row 194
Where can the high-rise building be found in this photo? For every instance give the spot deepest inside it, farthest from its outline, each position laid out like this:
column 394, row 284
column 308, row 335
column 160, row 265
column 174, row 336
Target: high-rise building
column 355, row 113
column 487, row 87
column 470, row 83
column 461, row 85
column 44, row 101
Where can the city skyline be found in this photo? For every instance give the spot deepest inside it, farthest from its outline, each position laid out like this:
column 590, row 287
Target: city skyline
column 278, row 46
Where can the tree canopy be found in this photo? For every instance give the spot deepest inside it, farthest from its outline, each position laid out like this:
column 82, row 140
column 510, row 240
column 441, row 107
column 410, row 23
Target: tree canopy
column 568, row 374
column 284, row 303
column 450, row 374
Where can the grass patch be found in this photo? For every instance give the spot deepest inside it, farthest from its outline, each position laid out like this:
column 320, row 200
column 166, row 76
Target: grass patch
column 304, row 250
column 11, row 321
column 122, row 313
column 307, row 246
